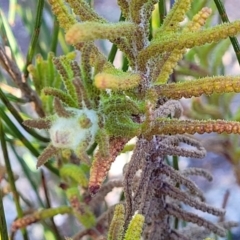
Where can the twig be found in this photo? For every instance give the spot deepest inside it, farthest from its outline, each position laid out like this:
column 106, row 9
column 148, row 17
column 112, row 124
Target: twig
column 16, row 76
column 224, row 204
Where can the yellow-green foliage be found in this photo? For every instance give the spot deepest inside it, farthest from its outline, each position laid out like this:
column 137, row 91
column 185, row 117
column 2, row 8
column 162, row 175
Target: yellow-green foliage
column 75, row 173
column 116, row 82
column 189, row 40
column 88, row 31
column 174, row 17
column 44, row 74
column 196, row 88
column 116, row 228
column 134, row 229
column 172, row 59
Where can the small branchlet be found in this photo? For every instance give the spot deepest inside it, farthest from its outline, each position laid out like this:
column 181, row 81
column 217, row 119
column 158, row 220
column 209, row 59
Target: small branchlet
column 101, row 165
column 60, row 110
column 134, row 230
column 116, row 227
column 81, row 94
column 190, row 217
column 116, row 80
column 183, row 197
column 84, row 11
column 62, row 13
column 61, row 95
column 169, row 146
column 38, row 216
column 177, row 15
column 124, row 6
column 178, row 178
column 172, row 59
column 196, row 88
column 188, row 40
column 47, row 153
column 89, row 31
column 38, row 123
column 197, row 172
column 175, row 126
